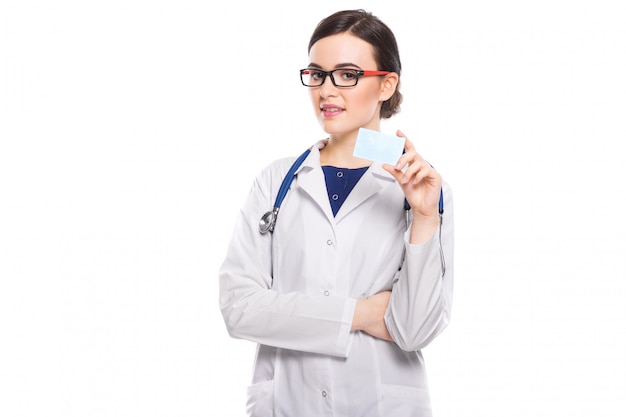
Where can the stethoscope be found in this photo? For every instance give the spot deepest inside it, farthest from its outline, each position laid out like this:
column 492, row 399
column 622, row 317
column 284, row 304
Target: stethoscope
column 268, row 220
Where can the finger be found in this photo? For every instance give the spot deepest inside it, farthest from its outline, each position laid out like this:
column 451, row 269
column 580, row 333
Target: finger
column 426, row 173
column 408, row 145
column 409, row 157
column 394, row 171
column 420, row 175
column 404, row 158
column 418, row 168
column 410, row 154
column 428, row 176
column 399, row 175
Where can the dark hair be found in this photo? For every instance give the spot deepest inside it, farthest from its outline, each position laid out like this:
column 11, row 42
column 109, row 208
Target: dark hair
column 371, row 29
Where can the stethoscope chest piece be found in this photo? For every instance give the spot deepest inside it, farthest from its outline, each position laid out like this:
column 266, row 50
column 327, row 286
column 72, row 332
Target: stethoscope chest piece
column 268, row 220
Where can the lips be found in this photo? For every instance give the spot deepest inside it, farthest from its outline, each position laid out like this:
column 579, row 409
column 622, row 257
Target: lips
column 330, row 110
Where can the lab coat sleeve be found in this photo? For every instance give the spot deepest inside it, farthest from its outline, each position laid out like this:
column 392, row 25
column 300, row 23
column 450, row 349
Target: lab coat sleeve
column 421, row 300
column 252, row 310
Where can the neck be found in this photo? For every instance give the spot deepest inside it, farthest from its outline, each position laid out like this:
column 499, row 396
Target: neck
column 339, row 152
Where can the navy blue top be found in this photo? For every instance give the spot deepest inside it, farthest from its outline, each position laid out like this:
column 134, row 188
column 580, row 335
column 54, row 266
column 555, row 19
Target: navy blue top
column 339, row 183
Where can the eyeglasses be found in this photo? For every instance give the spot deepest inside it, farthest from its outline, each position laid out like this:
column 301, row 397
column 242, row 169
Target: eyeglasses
column 341, row 77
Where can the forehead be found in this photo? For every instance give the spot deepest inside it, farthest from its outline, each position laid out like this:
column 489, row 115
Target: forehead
column 343, row 48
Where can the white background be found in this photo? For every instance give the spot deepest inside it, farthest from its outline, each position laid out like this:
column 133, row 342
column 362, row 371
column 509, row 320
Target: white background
column 131, row 132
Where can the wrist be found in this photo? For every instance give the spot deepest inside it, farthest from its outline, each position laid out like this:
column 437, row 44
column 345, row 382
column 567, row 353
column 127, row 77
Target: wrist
column 423, row 227
column 360, row 312
column 425, row 218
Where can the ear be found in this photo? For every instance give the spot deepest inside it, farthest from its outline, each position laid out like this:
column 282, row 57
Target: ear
column 388, row 86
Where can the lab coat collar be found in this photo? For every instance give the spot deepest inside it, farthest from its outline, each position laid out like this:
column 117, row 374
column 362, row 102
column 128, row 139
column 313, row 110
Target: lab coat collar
column 310, row 177
column 313, row 162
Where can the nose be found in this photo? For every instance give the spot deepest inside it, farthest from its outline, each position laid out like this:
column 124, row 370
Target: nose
column 328, row 89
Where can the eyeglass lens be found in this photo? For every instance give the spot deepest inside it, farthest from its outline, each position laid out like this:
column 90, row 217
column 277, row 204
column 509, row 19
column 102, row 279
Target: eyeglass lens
column 339, row 77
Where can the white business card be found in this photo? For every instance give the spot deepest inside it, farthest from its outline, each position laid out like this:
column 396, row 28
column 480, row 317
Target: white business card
column 379, row 147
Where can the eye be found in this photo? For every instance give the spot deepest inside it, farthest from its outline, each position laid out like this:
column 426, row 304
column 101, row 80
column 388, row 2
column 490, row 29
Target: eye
column 316, row 75
column 348, row 74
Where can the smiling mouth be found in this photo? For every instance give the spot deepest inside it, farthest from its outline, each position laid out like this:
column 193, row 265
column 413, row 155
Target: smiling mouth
column 331, row 109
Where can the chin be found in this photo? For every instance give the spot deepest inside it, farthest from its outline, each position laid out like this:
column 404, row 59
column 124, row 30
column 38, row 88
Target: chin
column 335, row 128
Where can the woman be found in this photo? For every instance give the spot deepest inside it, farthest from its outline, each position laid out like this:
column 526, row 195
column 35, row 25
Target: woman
column 342, row 294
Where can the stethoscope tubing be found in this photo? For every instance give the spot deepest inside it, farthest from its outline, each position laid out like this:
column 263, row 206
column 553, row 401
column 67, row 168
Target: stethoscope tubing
column 268, row 220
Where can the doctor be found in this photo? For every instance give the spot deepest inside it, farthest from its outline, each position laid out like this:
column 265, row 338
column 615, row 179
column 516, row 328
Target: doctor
column 341, row 296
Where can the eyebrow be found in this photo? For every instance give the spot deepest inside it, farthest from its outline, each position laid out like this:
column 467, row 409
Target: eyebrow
column 342, row 65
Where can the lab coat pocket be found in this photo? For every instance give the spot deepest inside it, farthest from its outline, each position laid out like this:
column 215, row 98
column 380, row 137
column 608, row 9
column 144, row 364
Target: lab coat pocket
column 404, row 401
column 261, row 399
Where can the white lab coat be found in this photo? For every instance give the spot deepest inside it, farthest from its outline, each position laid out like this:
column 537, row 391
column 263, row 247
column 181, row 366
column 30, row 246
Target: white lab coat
column 294, row 292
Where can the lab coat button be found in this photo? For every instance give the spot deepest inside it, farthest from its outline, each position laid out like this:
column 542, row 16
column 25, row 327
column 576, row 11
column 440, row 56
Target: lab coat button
column 324, row 394
column 329, row 242
column 326, row 293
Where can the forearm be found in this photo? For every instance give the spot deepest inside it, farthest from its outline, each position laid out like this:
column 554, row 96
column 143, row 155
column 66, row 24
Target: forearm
column 291, row 321
column 369, row 315
column 420, row 306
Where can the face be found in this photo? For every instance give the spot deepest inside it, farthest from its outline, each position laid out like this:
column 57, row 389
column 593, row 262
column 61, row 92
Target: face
column 342, row 111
